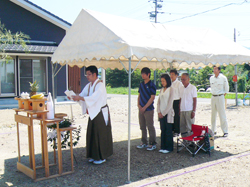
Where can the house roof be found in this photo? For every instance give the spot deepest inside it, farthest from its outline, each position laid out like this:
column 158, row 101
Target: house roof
column 17, row 48
column 28, row 5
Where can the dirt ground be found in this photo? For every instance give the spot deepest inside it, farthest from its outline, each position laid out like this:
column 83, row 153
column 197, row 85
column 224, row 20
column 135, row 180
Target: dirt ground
column 229, row 164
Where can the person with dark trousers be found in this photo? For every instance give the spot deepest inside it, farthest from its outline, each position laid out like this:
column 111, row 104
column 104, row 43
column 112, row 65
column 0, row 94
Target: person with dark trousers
column 166, row 114
column 93, row 100
column 177, row 85
column 147, row 91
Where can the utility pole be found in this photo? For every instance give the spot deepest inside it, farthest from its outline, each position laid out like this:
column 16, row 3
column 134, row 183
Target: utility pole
column 235, row 69
column 153, row 15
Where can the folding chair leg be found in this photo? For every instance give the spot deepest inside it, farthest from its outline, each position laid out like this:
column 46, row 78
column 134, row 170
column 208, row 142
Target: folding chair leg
column 177, row 145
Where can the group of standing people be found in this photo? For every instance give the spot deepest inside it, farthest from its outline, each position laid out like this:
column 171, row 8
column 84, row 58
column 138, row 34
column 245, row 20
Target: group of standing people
column 176, row 107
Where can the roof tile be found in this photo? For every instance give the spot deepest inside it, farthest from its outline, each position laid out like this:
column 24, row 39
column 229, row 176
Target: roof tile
column 30, row 48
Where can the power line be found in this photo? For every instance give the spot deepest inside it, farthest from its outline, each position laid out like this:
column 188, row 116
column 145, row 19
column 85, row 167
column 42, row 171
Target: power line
column 190, row 3
column 243, row 39
column 143, row 18
column 245, row 29
column 206, row 11
column 214, row 14
column 193, row 6
column 134, row 8
column 209, row 2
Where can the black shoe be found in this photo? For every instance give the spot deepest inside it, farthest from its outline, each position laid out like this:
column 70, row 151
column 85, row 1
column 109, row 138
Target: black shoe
column 225, row 135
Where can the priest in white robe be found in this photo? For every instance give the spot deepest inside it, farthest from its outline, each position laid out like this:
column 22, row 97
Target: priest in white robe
column 93, row 100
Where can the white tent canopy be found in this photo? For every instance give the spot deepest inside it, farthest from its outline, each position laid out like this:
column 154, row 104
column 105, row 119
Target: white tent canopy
column 103, row 39
column 109, row 41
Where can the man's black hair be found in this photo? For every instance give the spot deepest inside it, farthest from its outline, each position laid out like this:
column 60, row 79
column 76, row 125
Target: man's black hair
column 146, row 71
column 174, row 71
column 186, row 74
column 167, row 78
column 219, row 68
column 92, row 69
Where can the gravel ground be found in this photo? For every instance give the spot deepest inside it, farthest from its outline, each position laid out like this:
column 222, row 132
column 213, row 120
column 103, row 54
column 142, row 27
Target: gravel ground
column 229, row 164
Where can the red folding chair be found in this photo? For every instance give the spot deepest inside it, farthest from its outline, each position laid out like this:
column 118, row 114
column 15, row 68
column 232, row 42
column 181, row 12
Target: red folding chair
column 197, row 141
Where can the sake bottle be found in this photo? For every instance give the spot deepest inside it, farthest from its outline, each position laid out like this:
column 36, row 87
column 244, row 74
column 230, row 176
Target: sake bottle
column 50, row 107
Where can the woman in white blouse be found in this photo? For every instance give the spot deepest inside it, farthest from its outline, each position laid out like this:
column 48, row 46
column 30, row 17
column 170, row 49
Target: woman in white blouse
column 166, row 114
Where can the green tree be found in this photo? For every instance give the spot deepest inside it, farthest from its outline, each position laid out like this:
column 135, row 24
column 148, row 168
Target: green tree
column 119, row 78
column 202, row 79
column 248, row 86
column 242, row 75
column 247, row 68
column 6, row 38
column 158, row 77
column 116, row 78
column 136, row 78
column 193, row 76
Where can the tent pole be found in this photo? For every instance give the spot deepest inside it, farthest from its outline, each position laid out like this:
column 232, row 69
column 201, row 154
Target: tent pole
column 53, row 85
column 171, row 65
column 235, row 84
column 235, row 69
column 129, row 118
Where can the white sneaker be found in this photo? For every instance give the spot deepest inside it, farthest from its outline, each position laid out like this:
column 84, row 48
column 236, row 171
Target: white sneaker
column 165, row 151
column 99, row 161
column 153, row 147
column 142, row 146
column 91, row 160
column 161, row 150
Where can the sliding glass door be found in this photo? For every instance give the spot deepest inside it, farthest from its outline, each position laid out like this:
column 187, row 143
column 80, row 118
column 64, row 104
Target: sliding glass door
column 39, row 74
column 33, row 70
column 7, row 78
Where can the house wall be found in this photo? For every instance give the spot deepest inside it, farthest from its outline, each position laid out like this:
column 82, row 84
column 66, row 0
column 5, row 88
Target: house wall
column 84, row 80
column 17, row 19
column 60, row 79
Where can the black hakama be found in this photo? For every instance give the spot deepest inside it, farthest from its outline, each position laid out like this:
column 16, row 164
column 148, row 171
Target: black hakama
column 99, row 144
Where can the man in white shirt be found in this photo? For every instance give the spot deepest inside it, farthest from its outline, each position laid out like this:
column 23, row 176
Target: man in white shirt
column 93, row 99
column 219, row 89
column 177, row 85
column 188, row 101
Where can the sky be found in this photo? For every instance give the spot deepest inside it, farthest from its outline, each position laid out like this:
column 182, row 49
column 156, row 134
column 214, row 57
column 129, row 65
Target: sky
column 220, row 15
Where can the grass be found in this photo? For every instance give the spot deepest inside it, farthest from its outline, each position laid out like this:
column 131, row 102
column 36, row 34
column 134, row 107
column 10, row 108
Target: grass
column 134, row 91
column 228, row 96
column 124, row 91
column 121, row 90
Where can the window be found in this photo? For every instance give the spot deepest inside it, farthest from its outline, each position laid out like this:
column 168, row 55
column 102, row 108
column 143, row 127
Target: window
column 32, row 70
column 39, row 69
column 7, row 78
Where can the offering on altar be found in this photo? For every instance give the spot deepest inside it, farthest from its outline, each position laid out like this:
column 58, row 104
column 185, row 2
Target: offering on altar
column 50, row 107
column 37, row 96
column 25, row 95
